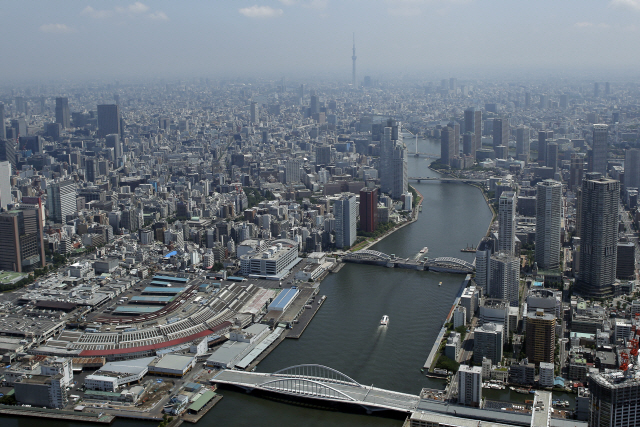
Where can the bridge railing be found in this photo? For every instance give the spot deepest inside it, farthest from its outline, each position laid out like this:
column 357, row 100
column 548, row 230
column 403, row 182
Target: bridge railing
column 316, row 372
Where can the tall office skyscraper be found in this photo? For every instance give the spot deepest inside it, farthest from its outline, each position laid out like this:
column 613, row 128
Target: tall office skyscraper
column 113, row 141
column 576, row 171
column 468, row 145
column 552, row 156
column 323, row 155
column 607, row 88
column 548, row 224
column 596, row 89
column 473, row 124
column 21, row 243
column 21, row 105
column 368, row 209
column 91, row 169
column 393, row 161
column 353, row 58
column 8, row 153
column 543, row 137
column 522, row 143
column 598, row 234
column 62, row 112
column 447, row 145
column 507, row 222
column 314, row 103
column 599, row 149
column 456, row 138
column 614, row 400
column 564, row 101
column 3, row 128
column 61, row 200
column 541, row 337
column 292, row 171
column 632, row 168
column 505, row 278
column 344, row 210
column 254, row 112
column 5, row 184
column 108, row 120
column 483, row 263
column 500, row 132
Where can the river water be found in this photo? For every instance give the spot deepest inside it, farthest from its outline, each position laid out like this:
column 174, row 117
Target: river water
column 345, row 333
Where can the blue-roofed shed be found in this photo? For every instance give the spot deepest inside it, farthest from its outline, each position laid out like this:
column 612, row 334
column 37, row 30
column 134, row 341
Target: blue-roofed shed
column 282, row 301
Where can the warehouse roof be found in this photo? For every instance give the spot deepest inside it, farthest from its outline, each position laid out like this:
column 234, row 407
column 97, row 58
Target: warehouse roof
column 177, row 341
column 173, row 361
column 202, row 400
column 168, row 290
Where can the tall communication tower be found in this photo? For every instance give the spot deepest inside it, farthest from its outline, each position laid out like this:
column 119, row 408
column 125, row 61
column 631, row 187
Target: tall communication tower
column 353, row 58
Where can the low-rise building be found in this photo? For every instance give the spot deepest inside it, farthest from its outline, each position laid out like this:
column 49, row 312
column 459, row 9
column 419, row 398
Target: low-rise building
column 547, row 376
column 173, row 365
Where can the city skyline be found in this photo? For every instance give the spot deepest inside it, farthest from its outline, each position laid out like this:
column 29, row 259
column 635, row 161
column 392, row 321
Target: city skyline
column 290, row 38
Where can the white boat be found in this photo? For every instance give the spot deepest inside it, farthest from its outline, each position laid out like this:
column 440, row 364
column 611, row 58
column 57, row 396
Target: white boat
column 385, row 320
column 440, row 284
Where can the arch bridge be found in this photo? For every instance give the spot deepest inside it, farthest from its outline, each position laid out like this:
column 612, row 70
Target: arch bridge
column 364, row 255
column 450, row 265
column 318, row 382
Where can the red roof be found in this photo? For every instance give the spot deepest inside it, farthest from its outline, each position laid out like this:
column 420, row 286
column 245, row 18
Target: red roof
column 93, row 353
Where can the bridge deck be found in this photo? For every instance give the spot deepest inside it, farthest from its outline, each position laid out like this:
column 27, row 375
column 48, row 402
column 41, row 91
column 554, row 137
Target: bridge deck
column 362, row 395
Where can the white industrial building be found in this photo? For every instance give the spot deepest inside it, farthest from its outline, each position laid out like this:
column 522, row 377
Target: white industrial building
column 273, row 262
column 241, row 342
column 115, row 374
column 174, row 365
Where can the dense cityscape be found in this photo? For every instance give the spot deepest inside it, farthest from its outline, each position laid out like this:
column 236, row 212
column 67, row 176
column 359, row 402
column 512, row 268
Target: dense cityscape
column 186, row 249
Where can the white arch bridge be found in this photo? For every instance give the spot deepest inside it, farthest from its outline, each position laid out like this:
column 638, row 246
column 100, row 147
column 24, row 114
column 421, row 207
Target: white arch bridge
column 317, row 382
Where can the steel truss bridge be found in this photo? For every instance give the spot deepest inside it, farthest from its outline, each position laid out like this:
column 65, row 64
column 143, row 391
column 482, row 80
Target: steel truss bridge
column 322, row 383
column 446, row 179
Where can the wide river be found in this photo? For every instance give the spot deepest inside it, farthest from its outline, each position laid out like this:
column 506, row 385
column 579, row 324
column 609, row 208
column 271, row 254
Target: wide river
column 345, row 334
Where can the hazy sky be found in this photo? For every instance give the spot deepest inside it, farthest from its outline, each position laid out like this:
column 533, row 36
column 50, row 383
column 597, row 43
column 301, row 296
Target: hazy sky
column 68, row 39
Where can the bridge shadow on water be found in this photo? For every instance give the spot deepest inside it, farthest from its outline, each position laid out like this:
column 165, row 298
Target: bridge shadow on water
column 306, row 402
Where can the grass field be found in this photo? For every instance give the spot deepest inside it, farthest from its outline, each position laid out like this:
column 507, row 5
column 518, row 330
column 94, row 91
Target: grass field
column 8, row 277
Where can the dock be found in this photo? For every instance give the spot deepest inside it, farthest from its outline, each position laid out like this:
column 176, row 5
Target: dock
column 56, row 414
column 194, row 418
column 305, row 318
column 266, row 352
column 436, row 345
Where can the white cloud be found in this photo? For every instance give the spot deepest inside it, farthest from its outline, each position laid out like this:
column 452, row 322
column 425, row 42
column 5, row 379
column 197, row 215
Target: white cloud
column 96, row 14
column 629, row 4
column 136, row 9
column 133, row 9
column 56, row 28
column 260, row 12
column 158, row 16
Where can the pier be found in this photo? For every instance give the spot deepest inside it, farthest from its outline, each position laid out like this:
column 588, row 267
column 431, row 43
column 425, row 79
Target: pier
column 305, row 318
column 321, row 384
